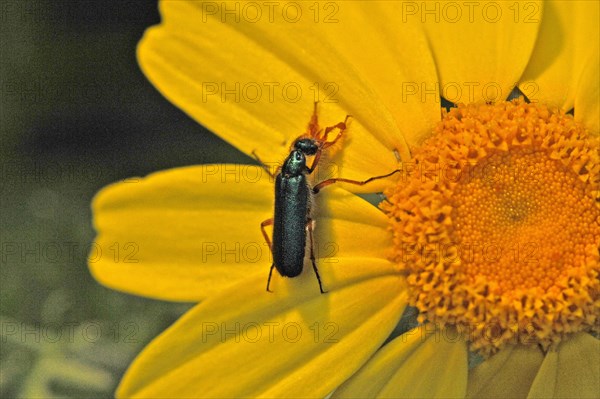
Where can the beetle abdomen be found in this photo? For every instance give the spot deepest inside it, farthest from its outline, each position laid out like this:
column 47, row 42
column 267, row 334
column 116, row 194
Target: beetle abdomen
column 289, row 224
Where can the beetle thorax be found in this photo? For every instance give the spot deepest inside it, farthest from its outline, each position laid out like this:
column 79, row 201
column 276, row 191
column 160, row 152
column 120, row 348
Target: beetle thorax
column 295, row 164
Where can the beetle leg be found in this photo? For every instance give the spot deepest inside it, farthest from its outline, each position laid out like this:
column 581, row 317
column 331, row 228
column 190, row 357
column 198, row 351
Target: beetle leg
column 268, row 222
column 315, row 161
column 325, row 144
column 310, row 225
column 327, row 182
column 342, row 128
column 269, row 279
column 313, row 126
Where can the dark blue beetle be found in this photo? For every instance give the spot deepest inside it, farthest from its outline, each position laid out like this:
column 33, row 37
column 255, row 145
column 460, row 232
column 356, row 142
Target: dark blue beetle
column 293, row 197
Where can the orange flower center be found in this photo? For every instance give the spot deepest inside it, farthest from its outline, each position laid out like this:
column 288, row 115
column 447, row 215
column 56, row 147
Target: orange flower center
column 497, row 225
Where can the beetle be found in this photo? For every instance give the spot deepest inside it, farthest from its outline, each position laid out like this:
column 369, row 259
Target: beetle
column 292, row 218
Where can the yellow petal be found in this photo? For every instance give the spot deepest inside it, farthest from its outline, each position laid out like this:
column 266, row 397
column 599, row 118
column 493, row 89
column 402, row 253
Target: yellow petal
column 480, row 48
column 383, row 67
column 572, row 371
column 192, row 57
column 587, row 98
column 417, row 364
column 568, row 36
column 187, row 233
column 507, row 374
column 294, row 342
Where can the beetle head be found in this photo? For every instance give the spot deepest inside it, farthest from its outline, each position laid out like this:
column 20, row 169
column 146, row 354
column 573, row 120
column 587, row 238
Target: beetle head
column 307, row 146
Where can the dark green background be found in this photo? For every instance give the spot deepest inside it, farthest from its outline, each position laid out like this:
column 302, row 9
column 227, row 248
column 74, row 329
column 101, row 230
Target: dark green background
column 77, row 114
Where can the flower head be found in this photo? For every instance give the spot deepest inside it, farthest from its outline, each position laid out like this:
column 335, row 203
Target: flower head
column 519, row 176
column 498, row 227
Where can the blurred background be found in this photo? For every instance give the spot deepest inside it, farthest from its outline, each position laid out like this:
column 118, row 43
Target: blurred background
column 76, row 114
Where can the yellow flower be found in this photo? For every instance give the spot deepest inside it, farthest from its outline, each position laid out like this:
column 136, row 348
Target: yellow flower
column 250, row 72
